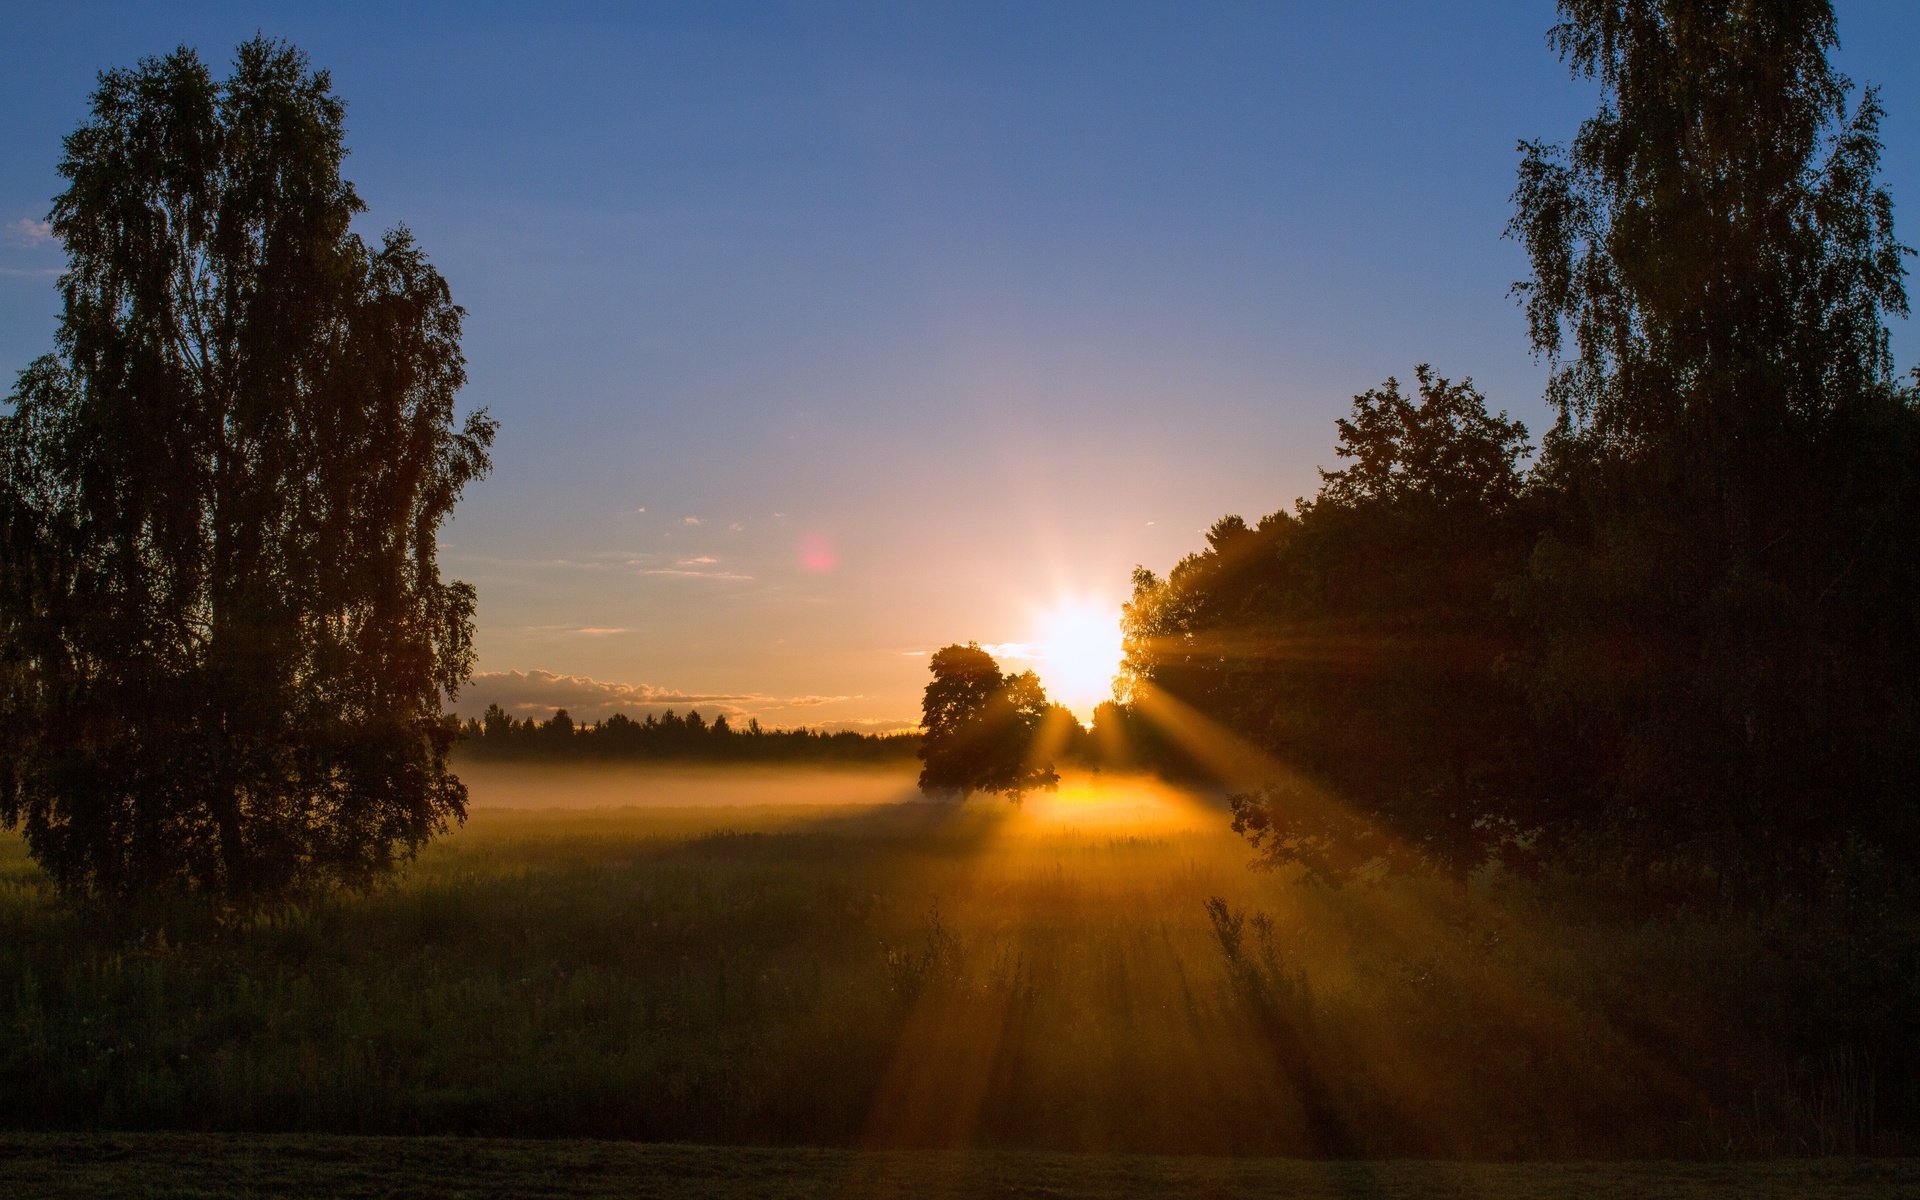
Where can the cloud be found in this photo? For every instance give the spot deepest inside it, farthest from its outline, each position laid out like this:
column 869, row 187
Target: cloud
column 1023, row 650
column 870, row 725
column 815, row 701
column 1020, row 650
column 544, row 564
column 685, row 573
column 29, row 272
column 692, row 520
column 539, row 693
column 29, row 232
column 701, row 560
column 598, row 630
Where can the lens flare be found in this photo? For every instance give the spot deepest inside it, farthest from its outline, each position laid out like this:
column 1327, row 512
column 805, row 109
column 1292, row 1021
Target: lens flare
column 817, row 554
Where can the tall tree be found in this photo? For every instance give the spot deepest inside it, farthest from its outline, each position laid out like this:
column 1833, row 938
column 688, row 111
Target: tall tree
column 224, row 632
column 1726, row 596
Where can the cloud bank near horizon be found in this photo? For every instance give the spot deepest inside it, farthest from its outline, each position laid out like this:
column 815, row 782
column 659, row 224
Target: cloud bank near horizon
column 539, row 694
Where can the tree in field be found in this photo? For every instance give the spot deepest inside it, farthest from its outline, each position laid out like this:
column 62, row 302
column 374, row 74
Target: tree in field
column 1725, row 595
column 981, row 728
column 224, row 638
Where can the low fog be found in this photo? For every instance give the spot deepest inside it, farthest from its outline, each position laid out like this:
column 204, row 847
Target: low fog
column 549, row 785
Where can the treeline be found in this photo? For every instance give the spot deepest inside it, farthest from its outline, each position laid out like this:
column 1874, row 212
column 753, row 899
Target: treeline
column 1677, row 644
column 620, row 738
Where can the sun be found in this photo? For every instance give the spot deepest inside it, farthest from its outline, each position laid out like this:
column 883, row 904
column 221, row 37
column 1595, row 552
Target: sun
column 1077, row 654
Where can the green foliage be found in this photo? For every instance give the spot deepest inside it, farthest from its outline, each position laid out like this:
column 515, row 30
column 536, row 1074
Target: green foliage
column 1443, row 451
column 1713, row 257
column 1359, row 642
column 981, row 731
column 1723, row 596
column 224, row 638
column 1684, row 643
column 775, row 975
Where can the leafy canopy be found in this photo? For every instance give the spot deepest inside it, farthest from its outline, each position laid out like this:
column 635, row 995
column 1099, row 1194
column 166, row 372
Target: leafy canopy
column 1713, row 257
column 1441, row 448
column 1723, row 594
column 981, row 728
column 224, row 639
column 1357, row 641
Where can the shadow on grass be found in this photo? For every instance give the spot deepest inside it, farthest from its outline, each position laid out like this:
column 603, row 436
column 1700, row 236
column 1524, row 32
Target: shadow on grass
column 912, row 975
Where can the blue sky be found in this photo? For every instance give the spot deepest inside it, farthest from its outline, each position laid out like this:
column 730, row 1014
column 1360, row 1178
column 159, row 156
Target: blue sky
column 823, row 335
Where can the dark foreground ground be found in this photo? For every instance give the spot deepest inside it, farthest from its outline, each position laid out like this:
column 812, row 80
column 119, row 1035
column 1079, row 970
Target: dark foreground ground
column 210, row 1166
column 1094, row 972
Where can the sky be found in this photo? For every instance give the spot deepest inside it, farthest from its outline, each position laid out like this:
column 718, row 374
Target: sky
column 824, row 335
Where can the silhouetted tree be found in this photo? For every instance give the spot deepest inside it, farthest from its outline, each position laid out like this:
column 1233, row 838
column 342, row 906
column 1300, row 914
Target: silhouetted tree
column 621, row 738
column 1061, row 736
column 496, row 725
column 980, row 728
column 619, row 729
column 1442, row 452
column 1725, row 597
column 1358, row 642
column 224, row 639
column 1110, row 740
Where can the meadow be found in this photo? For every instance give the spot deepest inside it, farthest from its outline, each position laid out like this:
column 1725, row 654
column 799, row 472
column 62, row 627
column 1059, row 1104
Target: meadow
column 1095, row 970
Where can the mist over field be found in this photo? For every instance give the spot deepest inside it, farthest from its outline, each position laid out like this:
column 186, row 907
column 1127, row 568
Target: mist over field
column 546, row 785
column 1084, row 799
column 679, row 954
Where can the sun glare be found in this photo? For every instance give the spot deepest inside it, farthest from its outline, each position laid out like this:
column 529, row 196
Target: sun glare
column 1078, row 654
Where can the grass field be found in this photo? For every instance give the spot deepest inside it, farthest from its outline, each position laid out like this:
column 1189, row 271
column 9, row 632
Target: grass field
column 1095, row 971
column 214, row 1167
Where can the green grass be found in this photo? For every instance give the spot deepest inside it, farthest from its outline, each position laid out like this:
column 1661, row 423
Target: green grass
column 913, row 976
column 212, row 1166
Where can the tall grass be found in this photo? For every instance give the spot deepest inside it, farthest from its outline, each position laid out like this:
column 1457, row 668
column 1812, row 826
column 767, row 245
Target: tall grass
column 1056, row 975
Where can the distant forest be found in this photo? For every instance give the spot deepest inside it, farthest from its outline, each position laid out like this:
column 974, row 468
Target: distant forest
column 670, row 736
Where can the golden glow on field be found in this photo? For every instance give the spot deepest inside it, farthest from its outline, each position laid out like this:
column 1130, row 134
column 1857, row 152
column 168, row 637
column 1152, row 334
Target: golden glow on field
column 1077, row 654
column 1114, row 801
